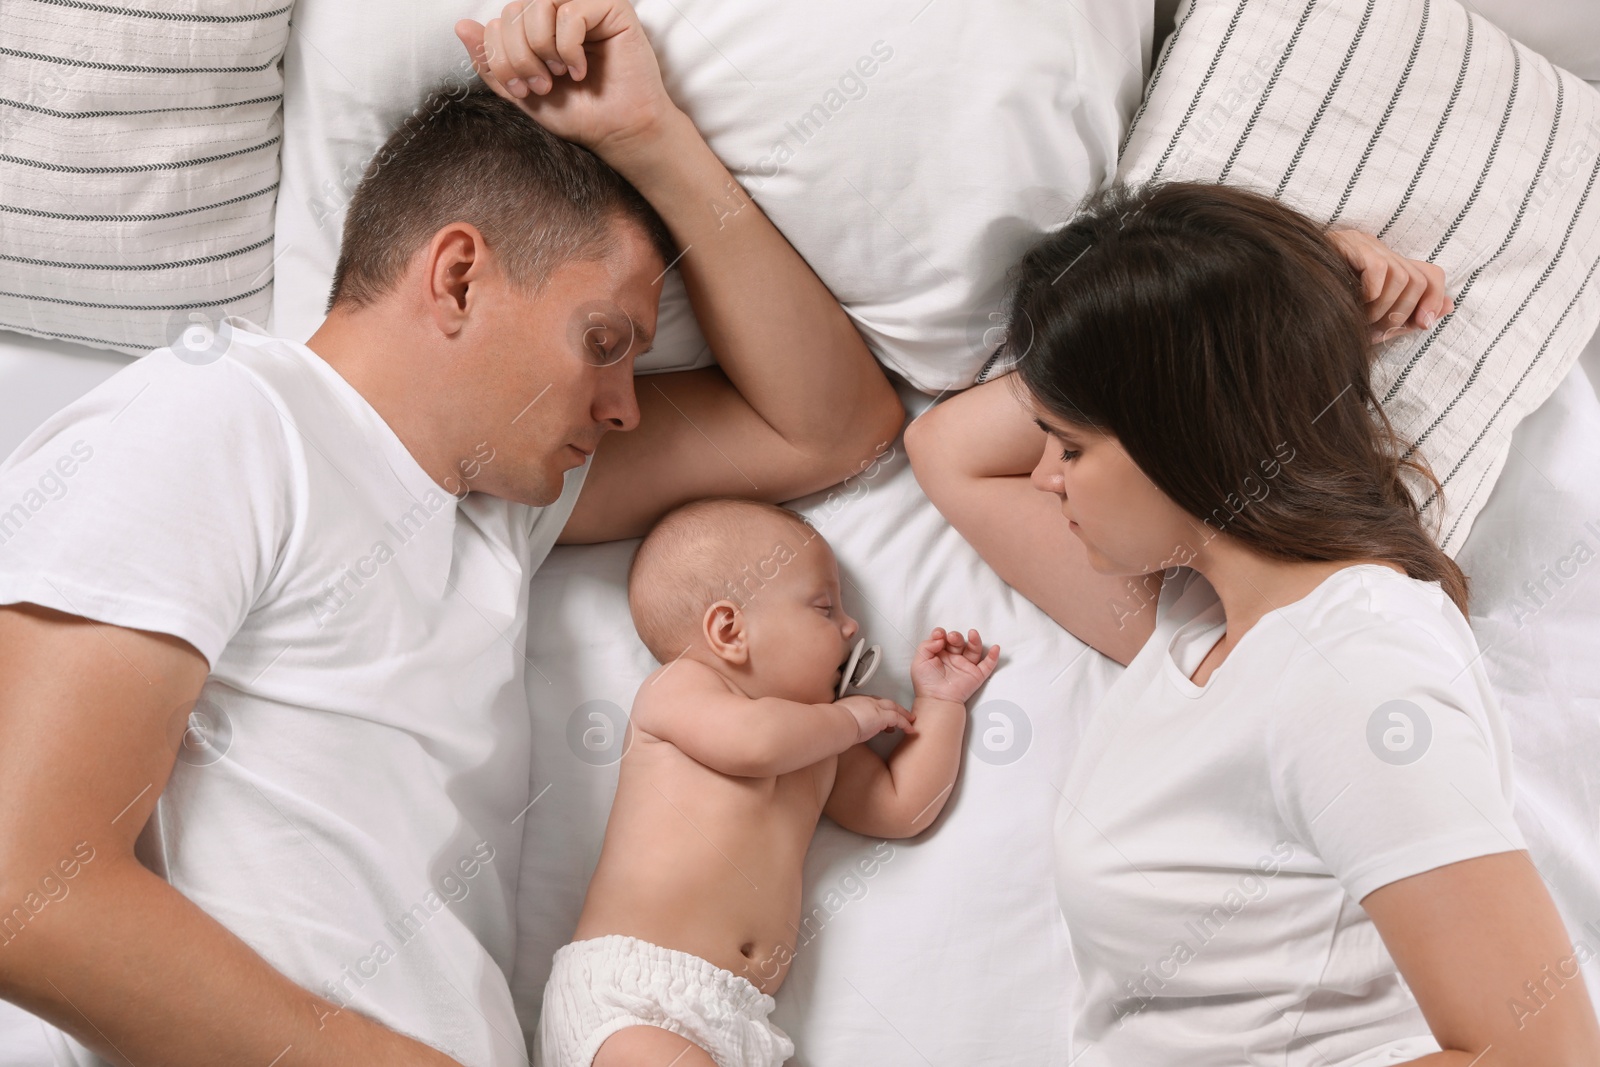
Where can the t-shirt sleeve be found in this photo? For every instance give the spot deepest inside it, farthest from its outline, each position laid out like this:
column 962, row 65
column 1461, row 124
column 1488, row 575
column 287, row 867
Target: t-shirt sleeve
column 158, row 501
column 1388, row 754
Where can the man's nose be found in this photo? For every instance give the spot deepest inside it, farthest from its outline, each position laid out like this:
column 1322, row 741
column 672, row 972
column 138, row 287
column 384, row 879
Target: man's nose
column 617, row 404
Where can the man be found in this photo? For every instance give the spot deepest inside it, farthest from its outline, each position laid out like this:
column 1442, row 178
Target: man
column 323, row 551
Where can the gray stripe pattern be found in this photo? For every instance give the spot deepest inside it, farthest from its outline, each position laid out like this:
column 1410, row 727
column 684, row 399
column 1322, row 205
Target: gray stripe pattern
column 36, row 109
column 1444, row 119
column 139, row 168
column 170, row 16
column 1155, row 76
column 1277, row 71
column 136, row 218
column 139, row 307
column 1349, row 53
column 1544, row 276
column 1466, row 289
column 1200, row 93
column 1488, row 163
column 197, row 262
column 1587, row 278
column 125, row 68
column 1383, row 121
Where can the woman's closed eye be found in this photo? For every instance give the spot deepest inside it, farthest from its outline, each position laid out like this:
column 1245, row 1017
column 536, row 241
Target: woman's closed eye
column 1068, row 454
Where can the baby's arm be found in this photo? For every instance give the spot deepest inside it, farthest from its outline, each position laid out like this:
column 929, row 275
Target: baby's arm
column 902, row 797
column 690, row 706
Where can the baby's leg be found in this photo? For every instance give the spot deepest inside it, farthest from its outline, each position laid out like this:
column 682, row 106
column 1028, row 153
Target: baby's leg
column 650, row 1046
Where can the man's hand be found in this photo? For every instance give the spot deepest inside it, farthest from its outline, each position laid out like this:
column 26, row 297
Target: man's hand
column 951, row 667
column 875, row 715
column 582, row 69
column 1401, row 294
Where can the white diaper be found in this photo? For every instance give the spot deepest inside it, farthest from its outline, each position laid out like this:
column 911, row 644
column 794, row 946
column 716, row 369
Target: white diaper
column 604, row 984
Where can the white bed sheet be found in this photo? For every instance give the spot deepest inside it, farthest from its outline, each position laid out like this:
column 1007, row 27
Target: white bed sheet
column 953, row 951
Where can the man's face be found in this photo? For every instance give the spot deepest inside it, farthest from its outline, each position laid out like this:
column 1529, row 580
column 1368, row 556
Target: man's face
column 551, row 373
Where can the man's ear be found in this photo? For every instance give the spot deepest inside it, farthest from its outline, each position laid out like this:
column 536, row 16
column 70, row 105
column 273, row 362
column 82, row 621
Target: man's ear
column 457, row 261
column 724, row 627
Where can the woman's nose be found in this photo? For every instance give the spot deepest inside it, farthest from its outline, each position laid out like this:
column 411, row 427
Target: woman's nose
column 1046, row 477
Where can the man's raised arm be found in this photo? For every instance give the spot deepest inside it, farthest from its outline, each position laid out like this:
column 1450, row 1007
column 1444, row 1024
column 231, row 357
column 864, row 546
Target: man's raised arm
column 797, row 402
column 90, row 721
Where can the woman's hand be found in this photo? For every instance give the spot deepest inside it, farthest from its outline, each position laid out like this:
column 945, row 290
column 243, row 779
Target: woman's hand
column 951, row 667
column 1401, row 294
column 582, row 69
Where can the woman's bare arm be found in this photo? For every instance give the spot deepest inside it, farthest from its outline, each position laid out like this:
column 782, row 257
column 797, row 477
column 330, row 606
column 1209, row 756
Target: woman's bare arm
column 1490, row 962
column 972, row 454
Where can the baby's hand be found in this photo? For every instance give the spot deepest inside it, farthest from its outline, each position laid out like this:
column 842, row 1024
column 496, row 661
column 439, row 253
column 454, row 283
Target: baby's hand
column 875, row 715
column 950, row 667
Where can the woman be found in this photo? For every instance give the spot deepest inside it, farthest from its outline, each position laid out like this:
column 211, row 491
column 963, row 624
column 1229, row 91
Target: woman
column 1298, row 793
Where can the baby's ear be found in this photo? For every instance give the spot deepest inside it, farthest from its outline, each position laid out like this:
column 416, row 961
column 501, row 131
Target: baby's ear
column 723, row 627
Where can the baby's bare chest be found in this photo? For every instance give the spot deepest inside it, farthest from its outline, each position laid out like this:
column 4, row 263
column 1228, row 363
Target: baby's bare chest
column 787, row 805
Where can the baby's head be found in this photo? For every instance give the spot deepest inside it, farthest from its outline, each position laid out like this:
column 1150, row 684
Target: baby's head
column 749, row 589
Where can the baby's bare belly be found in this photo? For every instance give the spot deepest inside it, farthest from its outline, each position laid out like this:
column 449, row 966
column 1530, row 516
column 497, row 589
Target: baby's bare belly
column 706, row 864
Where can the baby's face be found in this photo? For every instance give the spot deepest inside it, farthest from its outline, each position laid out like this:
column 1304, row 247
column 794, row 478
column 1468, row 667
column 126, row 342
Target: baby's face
column 799, row 632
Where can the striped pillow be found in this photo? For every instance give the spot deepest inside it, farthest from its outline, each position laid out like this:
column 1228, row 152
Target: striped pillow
column 1420, row 122
column 138, row 166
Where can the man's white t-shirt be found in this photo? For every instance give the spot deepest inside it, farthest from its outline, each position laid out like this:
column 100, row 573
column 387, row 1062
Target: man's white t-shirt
column 348, row 799
column 1213, row 842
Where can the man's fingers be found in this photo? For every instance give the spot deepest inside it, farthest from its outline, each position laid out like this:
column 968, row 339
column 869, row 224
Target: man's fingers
column 539, row 29
column 572, row 26
column 528, row 68
column 499, row 65
column 470, row 34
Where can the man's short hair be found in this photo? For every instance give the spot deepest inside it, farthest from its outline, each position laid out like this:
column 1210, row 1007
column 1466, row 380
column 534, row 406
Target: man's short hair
column 466, row 155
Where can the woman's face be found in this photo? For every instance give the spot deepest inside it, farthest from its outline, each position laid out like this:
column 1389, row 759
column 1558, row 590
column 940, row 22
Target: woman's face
column 1126, row 523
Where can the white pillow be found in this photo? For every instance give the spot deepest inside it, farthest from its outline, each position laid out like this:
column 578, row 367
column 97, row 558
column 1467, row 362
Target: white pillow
column 1566, row 32
column 1423, row 123
column 138, row 167
column 909, row 152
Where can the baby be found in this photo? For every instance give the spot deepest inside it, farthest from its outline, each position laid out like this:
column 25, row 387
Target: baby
column 739, row 745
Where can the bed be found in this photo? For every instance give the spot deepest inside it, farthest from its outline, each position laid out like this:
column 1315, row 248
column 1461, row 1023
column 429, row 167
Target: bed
column 950, row 948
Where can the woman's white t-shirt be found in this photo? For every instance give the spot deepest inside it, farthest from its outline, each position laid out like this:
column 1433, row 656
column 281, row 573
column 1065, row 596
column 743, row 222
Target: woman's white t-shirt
column 1213, row 841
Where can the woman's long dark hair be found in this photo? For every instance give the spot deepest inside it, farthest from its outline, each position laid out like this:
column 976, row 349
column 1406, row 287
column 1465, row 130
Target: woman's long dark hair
column 1221, row 338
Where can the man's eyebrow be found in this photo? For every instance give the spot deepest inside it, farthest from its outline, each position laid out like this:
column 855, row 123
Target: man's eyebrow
column 644, row 337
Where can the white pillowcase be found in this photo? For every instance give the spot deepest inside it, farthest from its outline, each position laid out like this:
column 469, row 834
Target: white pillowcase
column 909, row 152
column 1427, row 125
column 138, row 167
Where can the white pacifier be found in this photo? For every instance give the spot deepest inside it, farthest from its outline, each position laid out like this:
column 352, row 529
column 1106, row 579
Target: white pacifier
column 859, row 668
